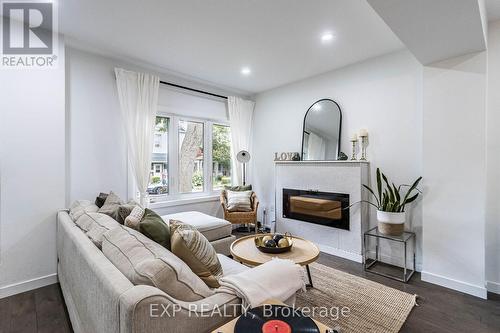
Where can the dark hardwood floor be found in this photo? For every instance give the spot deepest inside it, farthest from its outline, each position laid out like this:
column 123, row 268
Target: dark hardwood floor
column 440, row 309
column 40, row 310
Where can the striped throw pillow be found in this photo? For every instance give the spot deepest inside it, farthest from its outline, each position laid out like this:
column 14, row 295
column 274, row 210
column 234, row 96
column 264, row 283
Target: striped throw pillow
column 239, row 201
column 195, row 250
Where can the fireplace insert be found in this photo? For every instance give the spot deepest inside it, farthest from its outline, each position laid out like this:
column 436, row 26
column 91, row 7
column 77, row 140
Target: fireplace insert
column 324, row 208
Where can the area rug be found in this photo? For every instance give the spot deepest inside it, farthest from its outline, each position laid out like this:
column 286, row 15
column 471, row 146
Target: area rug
column 372, row 307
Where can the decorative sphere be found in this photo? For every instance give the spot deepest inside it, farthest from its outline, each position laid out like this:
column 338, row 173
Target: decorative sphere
column 283, row 242
column 270, row 243
column 277, row 238
column 266, row 238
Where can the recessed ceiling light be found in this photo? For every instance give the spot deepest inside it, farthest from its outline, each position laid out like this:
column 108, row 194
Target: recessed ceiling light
column 327, row 37
column 246, row 71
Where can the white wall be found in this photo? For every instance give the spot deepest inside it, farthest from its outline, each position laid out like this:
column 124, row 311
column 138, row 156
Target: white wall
column 98, row 153
column 493, row 161
column 381, row 94
column 454, row 171
column 32, row 183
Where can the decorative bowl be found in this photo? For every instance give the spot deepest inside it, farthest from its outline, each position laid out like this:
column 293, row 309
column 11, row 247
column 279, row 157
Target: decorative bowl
column 259, row 243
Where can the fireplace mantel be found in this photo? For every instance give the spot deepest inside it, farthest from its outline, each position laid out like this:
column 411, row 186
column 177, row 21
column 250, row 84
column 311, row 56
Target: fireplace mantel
column 323, row 162
column 325, row 176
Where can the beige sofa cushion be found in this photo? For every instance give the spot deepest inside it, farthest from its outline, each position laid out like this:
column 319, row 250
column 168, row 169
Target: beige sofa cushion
column 80, row 207
column 145, row 262
column 95, row 225
column 196, row 251
column 213, row 228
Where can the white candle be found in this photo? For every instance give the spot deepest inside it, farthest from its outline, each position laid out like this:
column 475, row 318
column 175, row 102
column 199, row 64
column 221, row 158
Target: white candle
column 363, row 132
column 354, row 137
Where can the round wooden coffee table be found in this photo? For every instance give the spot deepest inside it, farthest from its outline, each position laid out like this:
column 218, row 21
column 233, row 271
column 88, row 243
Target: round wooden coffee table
column 303, row 252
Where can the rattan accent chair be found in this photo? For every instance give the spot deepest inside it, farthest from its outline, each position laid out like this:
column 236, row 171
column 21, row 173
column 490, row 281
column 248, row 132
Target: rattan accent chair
column 240, row 217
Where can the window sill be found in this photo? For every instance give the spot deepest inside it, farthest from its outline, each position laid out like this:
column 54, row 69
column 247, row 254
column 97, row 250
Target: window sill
column 184, row 201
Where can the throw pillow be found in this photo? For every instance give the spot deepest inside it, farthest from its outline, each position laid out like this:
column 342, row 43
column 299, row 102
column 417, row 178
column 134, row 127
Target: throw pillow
column 80, row 207
column 153, row 227
column 95, row 225
column 135, row 217
column 100, row 199
column 196, row 251
column 239, row 201
column 145, row 262
column 125, row 210
column 111, row 206
column 238, row 188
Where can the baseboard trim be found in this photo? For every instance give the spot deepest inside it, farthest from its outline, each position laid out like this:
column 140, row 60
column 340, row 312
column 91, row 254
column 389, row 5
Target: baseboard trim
column 461, row 286
column 493, row 287
column 21, row 287
column 341, row 253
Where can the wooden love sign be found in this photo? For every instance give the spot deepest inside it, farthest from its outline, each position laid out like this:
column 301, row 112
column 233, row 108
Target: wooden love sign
column 287, row 156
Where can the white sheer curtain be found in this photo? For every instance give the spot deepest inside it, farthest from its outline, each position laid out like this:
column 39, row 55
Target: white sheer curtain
column 138, row 95
column 240, row 119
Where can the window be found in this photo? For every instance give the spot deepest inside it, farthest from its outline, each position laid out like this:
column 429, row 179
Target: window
column 158, row 180
column 181, row 165
column 190, row 156
column 221, row 156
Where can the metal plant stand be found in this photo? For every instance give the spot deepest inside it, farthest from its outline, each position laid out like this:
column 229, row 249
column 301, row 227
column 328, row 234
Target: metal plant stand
column 370, row 264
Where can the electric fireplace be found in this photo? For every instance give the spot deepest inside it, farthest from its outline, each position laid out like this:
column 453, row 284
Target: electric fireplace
column 324, row 208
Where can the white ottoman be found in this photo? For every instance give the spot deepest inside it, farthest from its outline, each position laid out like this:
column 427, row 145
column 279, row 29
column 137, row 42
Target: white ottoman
column 216, row 230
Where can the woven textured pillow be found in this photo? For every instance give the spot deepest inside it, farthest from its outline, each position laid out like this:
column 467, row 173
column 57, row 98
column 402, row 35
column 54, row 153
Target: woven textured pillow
column 135, row 217
column 196, row 251
column 239, row 201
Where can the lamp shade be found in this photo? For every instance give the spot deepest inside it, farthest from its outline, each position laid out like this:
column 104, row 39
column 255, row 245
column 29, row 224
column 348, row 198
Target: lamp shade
column 243, row 156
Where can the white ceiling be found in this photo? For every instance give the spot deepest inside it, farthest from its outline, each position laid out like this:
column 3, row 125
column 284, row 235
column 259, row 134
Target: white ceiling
column 435, row 30
column 493, row 9
column 280, row 40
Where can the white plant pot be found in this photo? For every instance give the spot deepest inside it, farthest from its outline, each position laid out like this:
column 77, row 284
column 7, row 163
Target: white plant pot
column 392, row 218
column 391, row 223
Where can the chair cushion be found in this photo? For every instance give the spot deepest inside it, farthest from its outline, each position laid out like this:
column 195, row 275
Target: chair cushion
column 211, row 227
column 153, row 227
column 196, row 251
column 145, row 262
column 111, row 206
column 238, row 188
column 229, row 266
column 239, row 201
column 95, row 225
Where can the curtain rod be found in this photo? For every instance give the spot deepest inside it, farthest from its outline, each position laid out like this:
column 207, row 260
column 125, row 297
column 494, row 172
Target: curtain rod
column 191, row 89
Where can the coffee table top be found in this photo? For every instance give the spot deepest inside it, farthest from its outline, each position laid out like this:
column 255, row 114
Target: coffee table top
column 303, row 252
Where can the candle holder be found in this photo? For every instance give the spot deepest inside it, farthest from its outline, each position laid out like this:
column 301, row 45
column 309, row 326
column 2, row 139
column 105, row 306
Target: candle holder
column 354, row 144
column 364, row 142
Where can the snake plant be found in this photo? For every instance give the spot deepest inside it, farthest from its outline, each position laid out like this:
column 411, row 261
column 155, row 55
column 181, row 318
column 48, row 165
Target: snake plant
column 389, row 198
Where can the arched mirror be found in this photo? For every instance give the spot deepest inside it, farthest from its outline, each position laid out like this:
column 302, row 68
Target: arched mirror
column 321, row 131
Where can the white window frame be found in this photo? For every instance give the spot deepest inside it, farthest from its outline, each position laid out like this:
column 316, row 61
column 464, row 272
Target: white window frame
column 174, row 197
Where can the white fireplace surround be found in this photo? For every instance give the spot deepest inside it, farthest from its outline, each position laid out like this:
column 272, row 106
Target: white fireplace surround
column 326, row 176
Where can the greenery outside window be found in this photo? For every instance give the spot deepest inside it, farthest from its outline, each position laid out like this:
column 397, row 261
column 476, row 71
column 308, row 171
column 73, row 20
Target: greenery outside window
column 181, row 167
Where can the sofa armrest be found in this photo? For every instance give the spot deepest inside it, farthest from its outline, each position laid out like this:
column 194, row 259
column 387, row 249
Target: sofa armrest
column 148, row 309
